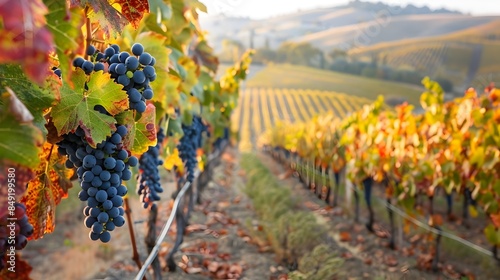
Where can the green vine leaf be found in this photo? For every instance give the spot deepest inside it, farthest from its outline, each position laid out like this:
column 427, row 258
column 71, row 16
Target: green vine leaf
column 35, row 98
column 20, row 140
column 65, row 25
column 77, row 106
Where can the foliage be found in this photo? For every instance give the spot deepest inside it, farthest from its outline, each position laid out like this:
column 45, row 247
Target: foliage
column 39, row 105
column 452, row 145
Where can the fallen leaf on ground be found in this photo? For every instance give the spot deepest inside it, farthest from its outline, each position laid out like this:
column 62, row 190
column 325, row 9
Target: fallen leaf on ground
column 345, row 236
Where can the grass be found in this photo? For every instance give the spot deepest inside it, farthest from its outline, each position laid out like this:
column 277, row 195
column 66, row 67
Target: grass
column 301, row 77
column 294, row 233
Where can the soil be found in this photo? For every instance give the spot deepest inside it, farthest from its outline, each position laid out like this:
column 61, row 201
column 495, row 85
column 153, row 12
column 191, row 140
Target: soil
column 220, row 244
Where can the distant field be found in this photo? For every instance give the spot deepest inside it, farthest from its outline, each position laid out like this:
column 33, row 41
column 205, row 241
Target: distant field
column 460, row 57
column 260, row 108
column 300, row 77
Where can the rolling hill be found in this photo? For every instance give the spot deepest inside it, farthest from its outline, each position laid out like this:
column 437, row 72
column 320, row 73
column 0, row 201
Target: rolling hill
column 467, row 57
column 340, row 26
column 301, row 77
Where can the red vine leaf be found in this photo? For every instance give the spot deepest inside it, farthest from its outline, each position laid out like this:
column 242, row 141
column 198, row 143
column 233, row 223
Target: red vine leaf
column 77, row 106
column 108, row 17
column 50, row 185
column 134, row 10
column 24, row 39
column 22, row 176
column 22, row 269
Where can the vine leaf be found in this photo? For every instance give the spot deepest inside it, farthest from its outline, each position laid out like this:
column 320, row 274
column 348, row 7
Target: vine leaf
column 24, row 39
column 77, row 106
column 19, row 138
column 108, row 17
column 142, row 133
column 44, row 193
column 23, row 269
column 155, row 45
column 23, row 175
column 35, row 98
column 65, row 25
column 133, row 10
column 172, row 158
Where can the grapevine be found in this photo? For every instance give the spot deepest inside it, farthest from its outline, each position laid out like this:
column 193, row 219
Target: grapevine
column 84, row 101
column 100, row 172
column 450, row 146
column 149, row 183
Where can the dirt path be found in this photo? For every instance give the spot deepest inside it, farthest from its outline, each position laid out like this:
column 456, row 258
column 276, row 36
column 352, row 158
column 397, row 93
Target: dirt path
column 216, row 247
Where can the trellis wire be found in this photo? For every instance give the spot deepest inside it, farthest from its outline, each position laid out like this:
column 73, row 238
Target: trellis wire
column 422, row 224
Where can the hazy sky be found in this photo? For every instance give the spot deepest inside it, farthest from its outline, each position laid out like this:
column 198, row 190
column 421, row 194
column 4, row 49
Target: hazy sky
column 266, row 8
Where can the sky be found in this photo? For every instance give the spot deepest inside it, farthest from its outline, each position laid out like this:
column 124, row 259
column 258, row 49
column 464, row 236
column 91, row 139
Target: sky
column 258, row 9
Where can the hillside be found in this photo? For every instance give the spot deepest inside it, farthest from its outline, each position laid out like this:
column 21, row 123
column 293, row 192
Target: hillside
column 466, row 57
column 392, row 29
column 321, row 22
column 300, row 77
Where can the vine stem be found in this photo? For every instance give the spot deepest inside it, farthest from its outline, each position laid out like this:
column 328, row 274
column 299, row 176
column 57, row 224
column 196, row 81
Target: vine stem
column 88, row 27
column 135, row 255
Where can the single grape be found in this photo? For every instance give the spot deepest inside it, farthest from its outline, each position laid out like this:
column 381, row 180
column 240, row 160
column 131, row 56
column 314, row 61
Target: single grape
column 149, row 71
column 109, row 52
column 87, row 67
column 90, row 50
column 78, row 62
column 132, row 63
column 105, row 237
column 140, row 107
column 137, row 49
column 147, row 94
column 145, row 58
column 116, row 139
column 139, row 77
column 98, row 67
column 123, row 56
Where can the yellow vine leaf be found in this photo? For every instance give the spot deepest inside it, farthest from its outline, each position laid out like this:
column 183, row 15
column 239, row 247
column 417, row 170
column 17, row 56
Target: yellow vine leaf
column 173, row 160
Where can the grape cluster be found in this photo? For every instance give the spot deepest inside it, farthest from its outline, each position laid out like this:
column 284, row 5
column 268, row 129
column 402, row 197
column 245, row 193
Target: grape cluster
column 133, row 71
column 100, row 171
column 189, row 143
column 14, row 232
column 149, row 177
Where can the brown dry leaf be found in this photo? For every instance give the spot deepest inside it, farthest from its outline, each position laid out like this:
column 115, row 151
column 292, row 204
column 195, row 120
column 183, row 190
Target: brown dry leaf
column 346, row 255
column 283, row 277
column 224, row 256
column 407, row 251
column 415, row 238
column 195, row 227
column 360, row 239
column 194, row 270
column 368, row 261
column 223, row 204
column 285, row 175
column 436, row 220
column 391, row 261
column 236, row 269
column 237, row 199
column 213, row 267
column 345, row 236
column 311, row 205
column 223, row 231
